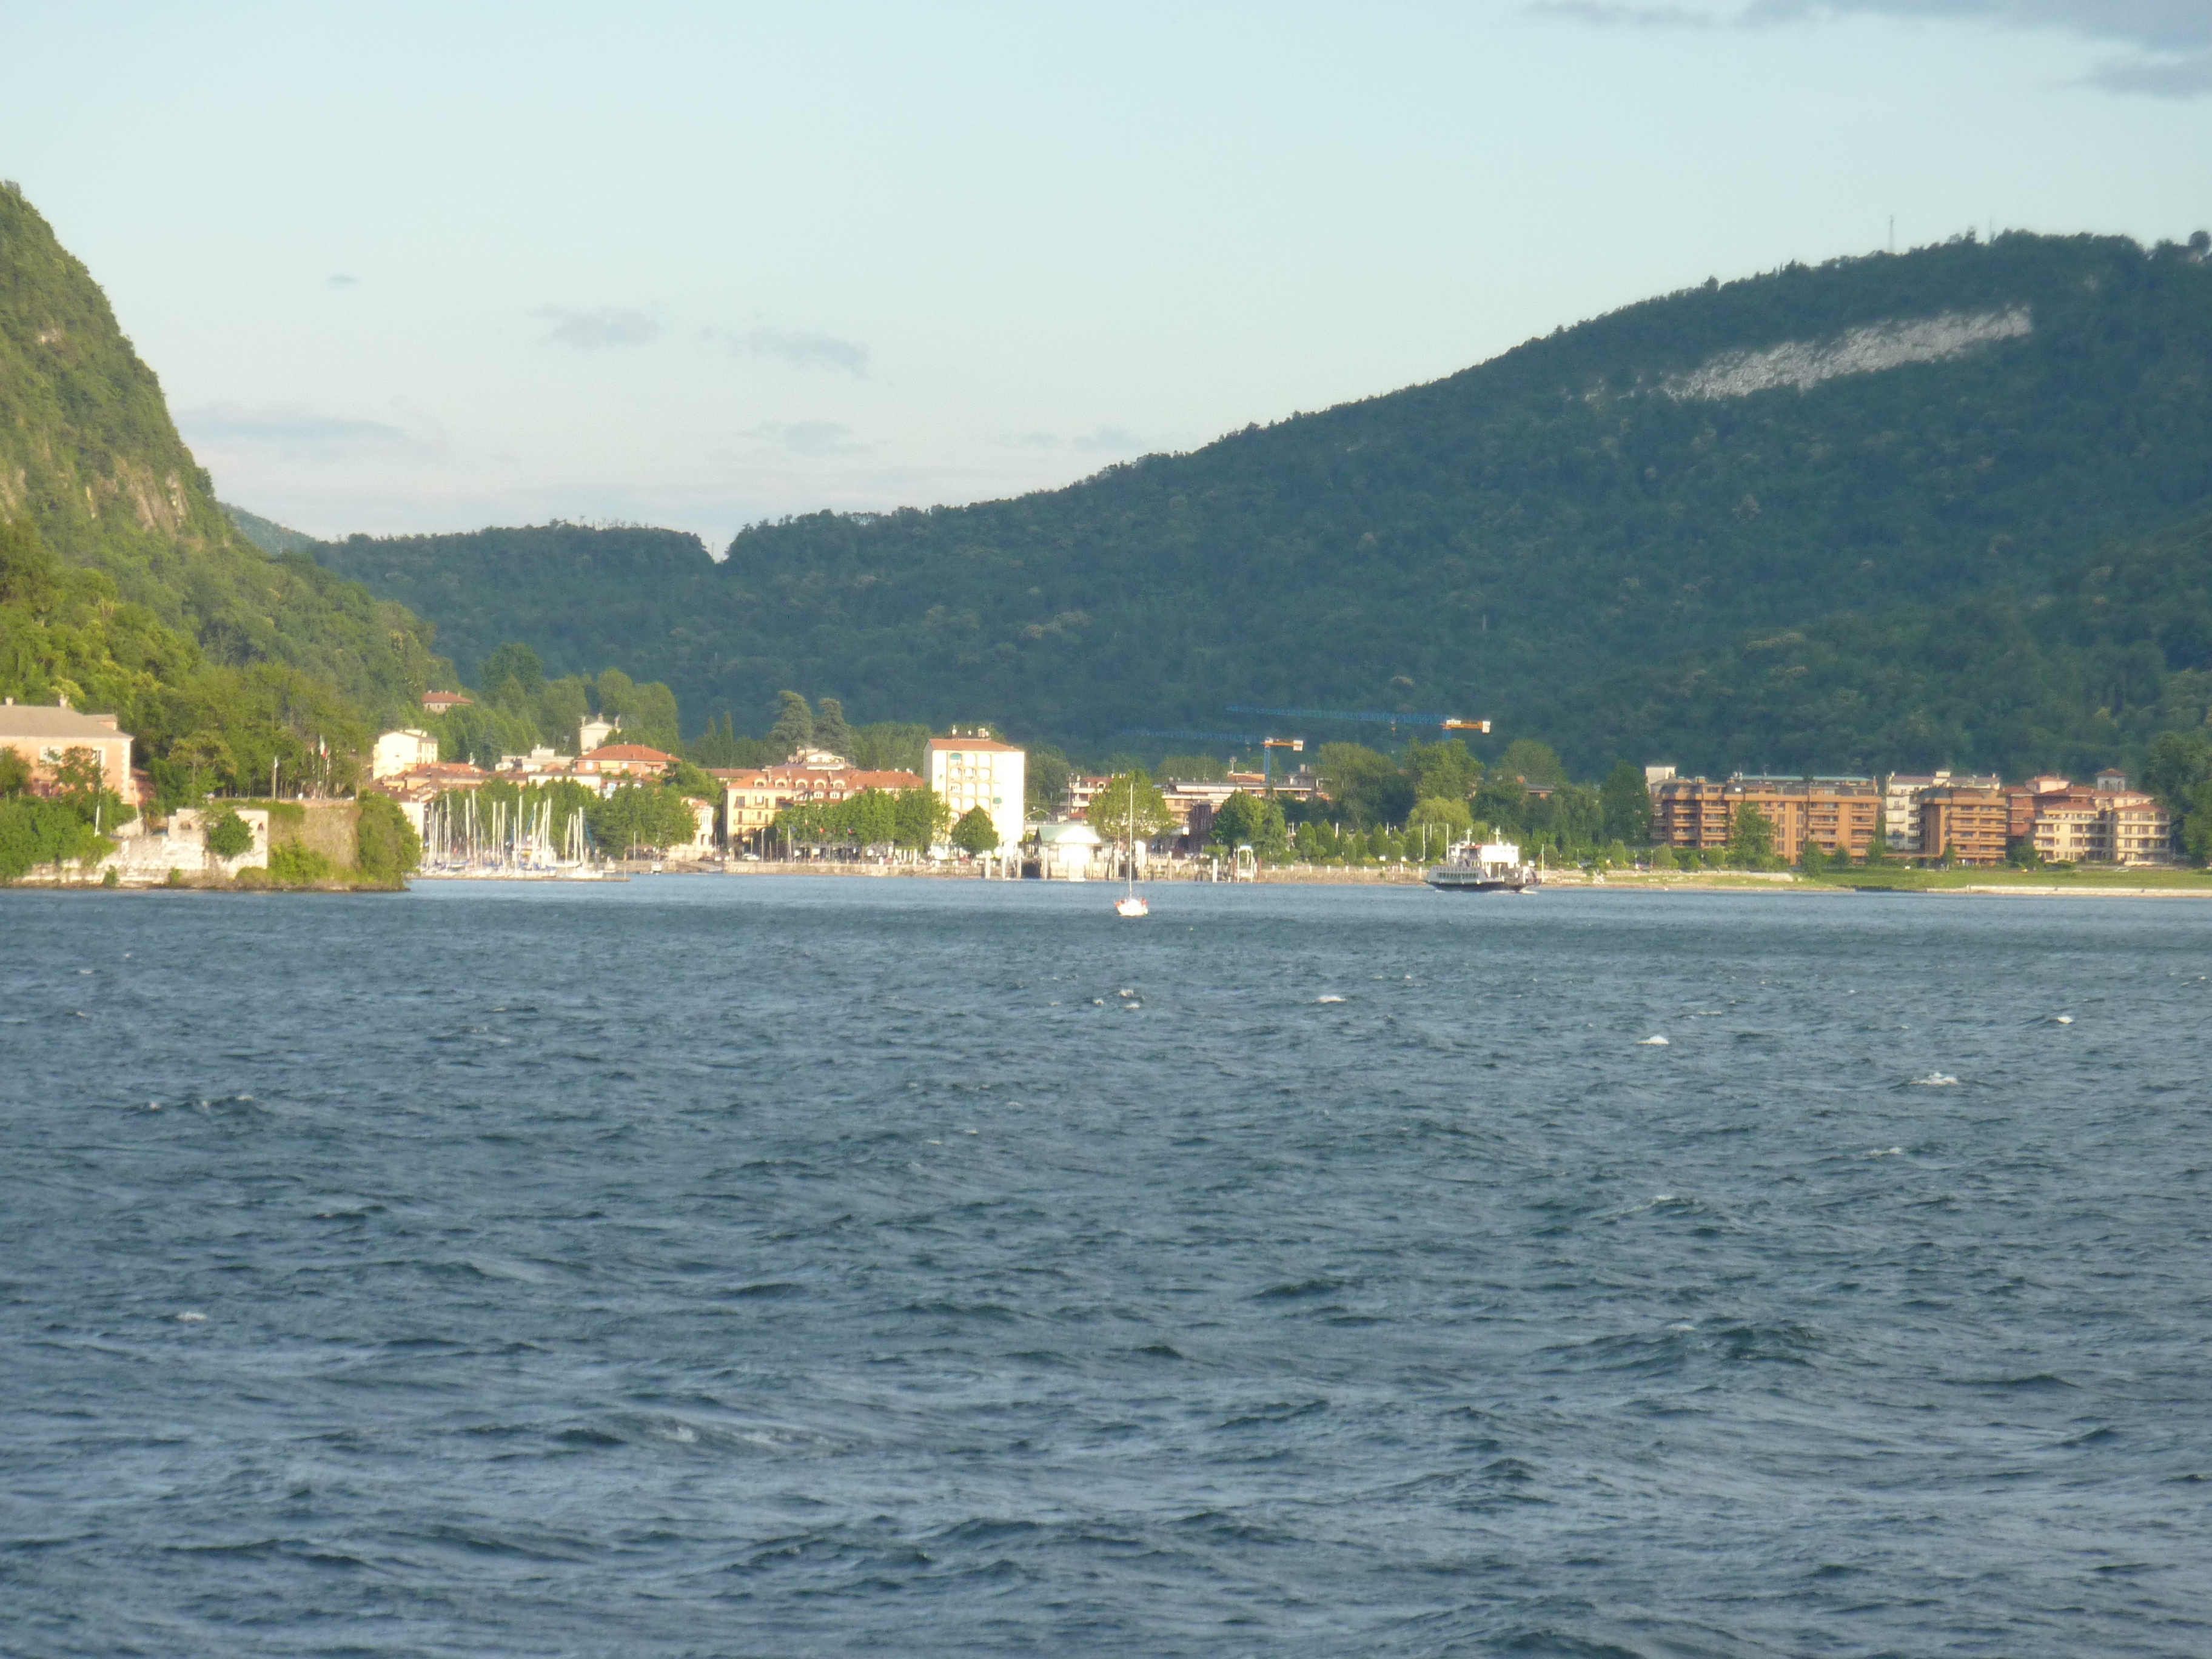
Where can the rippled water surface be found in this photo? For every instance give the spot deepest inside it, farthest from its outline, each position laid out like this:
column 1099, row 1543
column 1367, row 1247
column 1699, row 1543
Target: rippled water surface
column 771, row 1266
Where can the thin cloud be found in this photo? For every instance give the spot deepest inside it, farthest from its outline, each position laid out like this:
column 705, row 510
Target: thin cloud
column 810, row 437
column 292, row 431
column 796, row 349
column 339, row 279
column 599, row 328
column 2171, row 40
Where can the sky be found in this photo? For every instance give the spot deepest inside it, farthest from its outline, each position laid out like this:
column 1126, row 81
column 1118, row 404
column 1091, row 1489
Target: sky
column 420, row 268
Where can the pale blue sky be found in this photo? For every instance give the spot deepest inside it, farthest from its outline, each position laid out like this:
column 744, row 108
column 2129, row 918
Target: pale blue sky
column 432, row 267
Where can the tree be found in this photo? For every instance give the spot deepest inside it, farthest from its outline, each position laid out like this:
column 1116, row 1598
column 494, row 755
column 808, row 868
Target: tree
column 1366, row 785
column 230, row 835
column 1045, row 780
column 1663, row 857
column 386, row 846
column 15, row 774
column 975, row 835
column 1442, row 771
column 1440, row 824
column 794, row 723
column 1193, row 769
column 1532, row 762
column 1627, row 805
column 1751, row 837
column 922, row 817
column 1130, row 806
column 1251, row 821
column 513, row 662
column 830, row 730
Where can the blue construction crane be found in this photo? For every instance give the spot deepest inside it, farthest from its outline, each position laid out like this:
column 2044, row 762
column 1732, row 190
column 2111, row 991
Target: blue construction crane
column 1267, row 746
column 1448, row 723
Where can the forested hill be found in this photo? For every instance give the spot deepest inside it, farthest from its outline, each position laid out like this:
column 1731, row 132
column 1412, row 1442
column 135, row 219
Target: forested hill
column 1564, row 538
column 123, row 584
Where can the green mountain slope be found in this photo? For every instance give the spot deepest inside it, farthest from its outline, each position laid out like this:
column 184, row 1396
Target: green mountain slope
column 89, row 457
column 1815, row 450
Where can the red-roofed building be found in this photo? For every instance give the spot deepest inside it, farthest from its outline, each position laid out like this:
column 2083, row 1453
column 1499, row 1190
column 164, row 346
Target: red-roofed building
column 752, row 796
column 439, row 703
column 624, row 760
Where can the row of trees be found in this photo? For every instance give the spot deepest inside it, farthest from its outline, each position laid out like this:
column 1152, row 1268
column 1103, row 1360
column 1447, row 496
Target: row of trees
column 908, row 820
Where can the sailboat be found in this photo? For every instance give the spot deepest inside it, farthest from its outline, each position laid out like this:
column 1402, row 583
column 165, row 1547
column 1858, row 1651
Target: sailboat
column 1131, row 902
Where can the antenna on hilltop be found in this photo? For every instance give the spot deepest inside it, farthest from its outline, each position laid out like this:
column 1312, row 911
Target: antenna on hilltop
column 1892, row 233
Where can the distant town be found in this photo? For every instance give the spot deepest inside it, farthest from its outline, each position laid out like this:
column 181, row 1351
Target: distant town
column 976, row 803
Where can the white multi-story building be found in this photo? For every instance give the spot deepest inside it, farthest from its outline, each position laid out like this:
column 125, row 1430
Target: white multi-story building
column 969, row 770
column 402, row 751
column 1900, row 803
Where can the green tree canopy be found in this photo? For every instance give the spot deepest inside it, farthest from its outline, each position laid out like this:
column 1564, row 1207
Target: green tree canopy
column 830, row 731
column 1751, row 837
column 1442, row 771
column 1368, row 787
column 1129, row 807
column 1626, row 804
column 794, row 723
column 975, row 834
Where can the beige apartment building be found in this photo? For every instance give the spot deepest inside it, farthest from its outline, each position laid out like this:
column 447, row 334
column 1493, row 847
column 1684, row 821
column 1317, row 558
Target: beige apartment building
column 1965, row 824
column 752, row 796
column 969, row 770
column 1831, row 813
column 43, row 733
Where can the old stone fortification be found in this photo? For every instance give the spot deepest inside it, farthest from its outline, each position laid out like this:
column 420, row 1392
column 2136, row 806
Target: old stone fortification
column 145, row 854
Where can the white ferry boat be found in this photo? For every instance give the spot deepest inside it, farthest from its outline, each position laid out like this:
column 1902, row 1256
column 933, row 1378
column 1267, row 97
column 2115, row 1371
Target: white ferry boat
column 1489, row 867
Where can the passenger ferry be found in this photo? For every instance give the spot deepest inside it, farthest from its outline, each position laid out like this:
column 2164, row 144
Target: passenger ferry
column 1489, row 867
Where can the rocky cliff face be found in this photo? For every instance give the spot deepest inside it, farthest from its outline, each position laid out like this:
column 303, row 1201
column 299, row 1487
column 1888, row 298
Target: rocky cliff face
column 87, row 448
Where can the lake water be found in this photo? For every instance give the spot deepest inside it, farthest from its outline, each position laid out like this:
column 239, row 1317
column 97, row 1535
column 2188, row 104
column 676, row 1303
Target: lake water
column 784, row 1267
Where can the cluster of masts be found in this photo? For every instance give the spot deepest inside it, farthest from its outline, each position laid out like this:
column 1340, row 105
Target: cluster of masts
column 462, row 835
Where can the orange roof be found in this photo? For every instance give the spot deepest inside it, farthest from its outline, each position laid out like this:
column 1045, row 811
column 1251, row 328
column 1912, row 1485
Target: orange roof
column 628, row 752
column 446, row 699
column 985, row 744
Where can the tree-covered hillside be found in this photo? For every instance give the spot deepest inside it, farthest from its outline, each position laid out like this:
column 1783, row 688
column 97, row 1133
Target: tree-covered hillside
column 124, row 586
column 1533, row 539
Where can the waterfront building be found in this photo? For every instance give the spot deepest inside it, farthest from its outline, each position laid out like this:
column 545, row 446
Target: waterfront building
column 1834, row 814
column 1900, row 805
column 2067, row 823
column 1963, row 823
column 753, row 795
column 43, row 733
column 969, row 770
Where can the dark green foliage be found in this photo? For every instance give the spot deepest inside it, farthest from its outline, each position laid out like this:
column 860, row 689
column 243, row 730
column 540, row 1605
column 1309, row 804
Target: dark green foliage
column 1626, row 802
column 1129, row 807
column 15, row 774
column 1249, row 821
column 889, row 746
column 1751, row 838
column 1365, row 786
column 386, row 846
column 126, row 587
column 291, row 863
column 640, row 817
column 1045, row 772
column 975, row 834
column 1551, row 538
column 872, row 819
column 1442, row 771
column 2179, row 772
column 230, row 835
column 795, row 724
column 34, row 832
column 830, row 731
